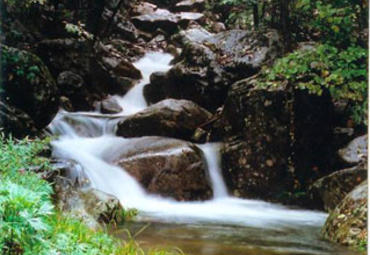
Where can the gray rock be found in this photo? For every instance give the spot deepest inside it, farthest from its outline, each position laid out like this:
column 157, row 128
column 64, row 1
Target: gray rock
column 110, row 105
column 355, row 151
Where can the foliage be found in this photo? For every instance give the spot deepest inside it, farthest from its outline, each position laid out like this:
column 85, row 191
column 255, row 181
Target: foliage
column 342, row 72
column 23, row 3
column 362, row 246
column 20, row 65
column 78, row 30
column 29, row 224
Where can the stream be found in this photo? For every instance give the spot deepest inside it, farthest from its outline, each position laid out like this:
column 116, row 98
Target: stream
column 224, row 225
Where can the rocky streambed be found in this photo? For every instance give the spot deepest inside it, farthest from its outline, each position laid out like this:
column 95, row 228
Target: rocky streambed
column 166, row 116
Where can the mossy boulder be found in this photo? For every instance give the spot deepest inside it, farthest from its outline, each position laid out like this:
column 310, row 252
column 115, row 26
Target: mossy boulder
column 278, row 141
column 329, row 191
column 347, row 224
column 28, row 85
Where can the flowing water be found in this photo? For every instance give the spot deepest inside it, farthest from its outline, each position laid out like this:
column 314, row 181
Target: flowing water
column 224, row 225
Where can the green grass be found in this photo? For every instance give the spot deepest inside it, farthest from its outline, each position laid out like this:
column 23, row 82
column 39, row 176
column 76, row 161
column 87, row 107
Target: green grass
column 30, row 224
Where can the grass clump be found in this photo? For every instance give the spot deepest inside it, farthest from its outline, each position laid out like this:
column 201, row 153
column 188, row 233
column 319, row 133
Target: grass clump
column 30, row 224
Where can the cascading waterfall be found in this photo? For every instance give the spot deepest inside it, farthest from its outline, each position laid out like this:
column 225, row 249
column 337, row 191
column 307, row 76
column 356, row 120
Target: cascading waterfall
column 90, row 152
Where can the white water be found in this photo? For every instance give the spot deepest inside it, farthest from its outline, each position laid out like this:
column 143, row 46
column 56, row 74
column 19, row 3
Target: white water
column 134, row 100
column 92, row 153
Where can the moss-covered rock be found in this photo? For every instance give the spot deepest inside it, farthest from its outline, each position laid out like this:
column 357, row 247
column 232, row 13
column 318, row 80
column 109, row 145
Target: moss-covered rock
column 347, row 224
column 330, row 190
column 28, row 85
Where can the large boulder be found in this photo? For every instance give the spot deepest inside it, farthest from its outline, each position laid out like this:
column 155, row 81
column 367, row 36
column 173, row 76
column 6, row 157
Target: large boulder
column 168, row 167
column 210, row 63
column 165, row 20
column 278, row 139
column 28, row 85
column 171, row 118
column 330, row 190
column 347, row 224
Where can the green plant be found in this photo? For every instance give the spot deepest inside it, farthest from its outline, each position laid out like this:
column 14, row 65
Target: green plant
column 29, row 224
column 342, row 72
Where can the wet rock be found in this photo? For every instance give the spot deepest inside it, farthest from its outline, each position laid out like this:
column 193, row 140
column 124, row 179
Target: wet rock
column 82, row 124
column 170, row 118
column 113, row 70
column 110, row 105
column 190, row 6
column 120, row 26
column 28, row 85
column 331, row 190
column 16, row 122
column 269, row 148
column 72, row 86
column 73, row 194
column 143, row 8
column 355, row 151
column 210, row 63
column 164, row 20
column 347, row 224
column 168, row 167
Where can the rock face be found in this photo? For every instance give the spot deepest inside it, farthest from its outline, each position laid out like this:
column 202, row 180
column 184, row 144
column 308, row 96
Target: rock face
column 269, row 147
column 347, row 224
column 168, row 167
column 210, row 63
column 355, row 151
column 170, row 118
column 28, row 85
column 331, row 190
column 165, row 20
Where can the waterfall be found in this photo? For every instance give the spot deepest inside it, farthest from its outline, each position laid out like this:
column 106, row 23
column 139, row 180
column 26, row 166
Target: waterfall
column 93, row 151
column 211, row 153
column 134, row 100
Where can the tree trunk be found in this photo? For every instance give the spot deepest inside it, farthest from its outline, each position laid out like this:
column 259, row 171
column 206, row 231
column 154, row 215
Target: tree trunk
column 284, row 23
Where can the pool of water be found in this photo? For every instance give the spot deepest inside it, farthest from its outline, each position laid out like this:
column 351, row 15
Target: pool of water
column 209, row 239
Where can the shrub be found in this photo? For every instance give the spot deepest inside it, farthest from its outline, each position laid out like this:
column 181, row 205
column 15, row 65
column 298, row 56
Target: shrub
column 342, row 72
